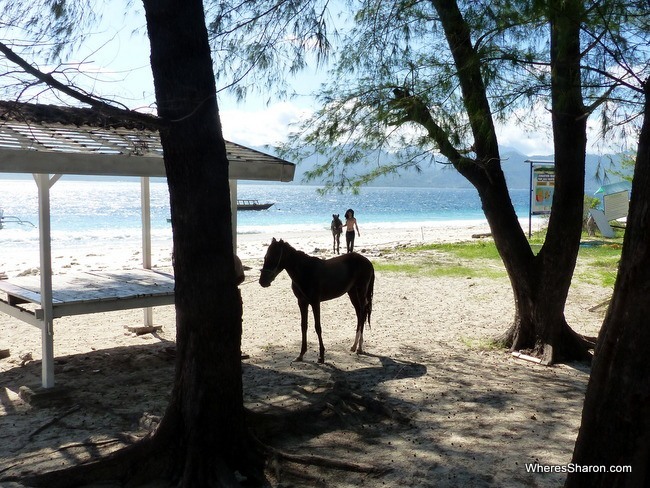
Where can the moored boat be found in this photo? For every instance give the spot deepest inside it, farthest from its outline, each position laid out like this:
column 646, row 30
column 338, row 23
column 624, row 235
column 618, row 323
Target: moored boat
column 253, row 205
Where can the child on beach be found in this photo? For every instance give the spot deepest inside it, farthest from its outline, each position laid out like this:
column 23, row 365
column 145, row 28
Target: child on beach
column 350, row 225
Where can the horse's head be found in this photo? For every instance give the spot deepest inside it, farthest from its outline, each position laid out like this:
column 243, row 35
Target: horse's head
column 336, row 225
column 273, row 262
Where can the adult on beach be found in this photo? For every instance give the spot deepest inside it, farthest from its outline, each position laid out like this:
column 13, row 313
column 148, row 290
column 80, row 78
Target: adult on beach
column 350, row 225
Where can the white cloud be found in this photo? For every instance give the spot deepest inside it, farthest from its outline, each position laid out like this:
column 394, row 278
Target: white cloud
column 259, row 126
column 527, row 143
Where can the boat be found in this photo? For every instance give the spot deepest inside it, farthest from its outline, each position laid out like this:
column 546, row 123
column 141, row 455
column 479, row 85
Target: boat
column 252, row 205
column 8, row 219
column 247, row 205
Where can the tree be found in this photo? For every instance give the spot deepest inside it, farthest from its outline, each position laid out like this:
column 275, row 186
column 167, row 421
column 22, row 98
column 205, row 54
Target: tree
column 615, row 429
column 400, row 86
column 202, row 439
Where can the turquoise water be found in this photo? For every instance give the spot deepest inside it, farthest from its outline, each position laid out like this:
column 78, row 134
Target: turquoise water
column 108, row 211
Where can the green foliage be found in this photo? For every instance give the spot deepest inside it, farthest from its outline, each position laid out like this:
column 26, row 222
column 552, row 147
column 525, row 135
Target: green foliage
column 258, row 45
column 628, row 161
column 395, row 83
column 49, row 29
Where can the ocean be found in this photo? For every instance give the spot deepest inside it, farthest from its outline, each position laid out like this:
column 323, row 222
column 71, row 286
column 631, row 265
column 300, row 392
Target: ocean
column 106, row 212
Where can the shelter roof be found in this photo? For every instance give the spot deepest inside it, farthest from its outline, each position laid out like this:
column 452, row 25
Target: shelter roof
column 614, row 188
column 49, row 139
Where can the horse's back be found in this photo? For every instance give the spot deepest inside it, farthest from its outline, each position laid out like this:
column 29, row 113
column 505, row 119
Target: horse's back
column 351, row 269
column 352, row 259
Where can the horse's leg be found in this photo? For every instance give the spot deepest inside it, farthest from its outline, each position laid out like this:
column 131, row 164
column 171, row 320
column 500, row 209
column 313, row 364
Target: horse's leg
column 357, row 299
column 304, row 309
column 315, row 308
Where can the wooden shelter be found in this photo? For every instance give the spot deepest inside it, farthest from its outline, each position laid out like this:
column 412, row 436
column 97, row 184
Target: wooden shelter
column 49, row 142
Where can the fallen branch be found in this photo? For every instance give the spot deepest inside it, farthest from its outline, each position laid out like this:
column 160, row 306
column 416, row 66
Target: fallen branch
column 603, row 304
column 92, row 444
column 312, row 460
column 53, row 421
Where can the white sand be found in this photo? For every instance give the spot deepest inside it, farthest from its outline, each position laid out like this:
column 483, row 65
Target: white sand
column 475, row 416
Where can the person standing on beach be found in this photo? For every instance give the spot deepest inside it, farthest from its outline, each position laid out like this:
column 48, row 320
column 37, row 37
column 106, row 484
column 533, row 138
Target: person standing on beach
column 350, row 225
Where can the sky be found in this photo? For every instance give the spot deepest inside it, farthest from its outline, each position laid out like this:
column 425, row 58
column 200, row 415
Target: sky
column 117, row 65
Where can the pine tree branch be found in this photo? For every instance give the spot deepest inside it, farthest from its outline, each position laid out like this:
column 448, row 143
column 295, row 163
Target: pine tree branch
column 95, row 103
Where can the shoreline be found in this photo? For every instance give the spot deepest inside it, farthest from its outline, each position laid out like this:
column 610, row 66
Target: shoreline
column 23, row 258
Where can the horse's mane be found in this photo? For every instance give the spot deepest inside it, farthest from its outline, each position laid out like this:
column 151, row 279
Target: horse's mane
column 294, row 250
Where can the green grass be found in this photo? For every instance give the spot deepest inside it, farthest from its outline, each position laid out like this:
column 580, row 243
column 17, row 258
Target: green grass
column 463, row 260
column 598, row 263
column 463, row 250
column 438, row 269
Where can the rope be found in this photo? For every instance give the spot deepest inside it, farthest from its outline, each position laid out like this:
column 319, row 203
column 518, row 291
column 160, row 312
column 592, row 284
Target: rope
column 247, row 282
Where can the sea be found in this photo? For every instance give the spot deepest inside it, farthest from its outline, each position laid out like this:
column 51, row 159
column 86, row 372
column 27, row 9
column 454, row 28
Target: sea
column 106, row 211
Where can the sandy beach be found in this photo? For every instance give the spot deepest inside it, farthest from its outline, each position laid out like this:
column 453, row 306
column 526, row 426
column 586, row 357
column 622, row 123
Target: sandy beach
column 431, row 403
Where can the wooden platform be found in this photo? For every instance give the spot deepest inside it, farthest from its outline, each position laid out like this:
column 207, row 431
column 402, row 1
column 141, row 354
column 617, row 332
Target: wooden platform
column 87, row 292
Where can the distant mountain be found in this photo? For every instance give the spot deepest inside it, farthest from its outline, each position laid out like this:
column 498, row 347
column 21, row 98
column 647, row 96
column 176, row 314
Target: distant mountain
column 438, row 175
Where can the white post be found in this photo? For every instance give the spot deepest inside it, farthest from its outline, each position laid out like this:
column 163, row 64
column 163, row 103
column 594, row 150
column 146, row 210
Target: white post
column 233, row 210
column 145, row 197
column 45, row 246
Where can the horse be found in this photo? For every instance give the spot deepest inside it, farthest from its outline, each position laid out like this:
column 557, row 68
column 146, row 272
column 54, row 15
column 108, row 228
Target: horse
column 337, row 229
column 315, row 280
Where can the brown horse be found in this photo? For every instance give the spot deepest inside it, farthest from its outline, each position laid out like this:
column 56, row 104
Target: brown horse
column 316, row 280
column 337, row 229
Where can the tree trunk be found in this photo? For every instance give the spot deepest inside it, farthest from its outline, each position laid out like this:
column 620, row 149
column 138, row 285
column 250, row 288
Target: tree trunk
column 540, row 283
column 615, row 428
column 203, row 438
column 205, row 422
column 540, row 325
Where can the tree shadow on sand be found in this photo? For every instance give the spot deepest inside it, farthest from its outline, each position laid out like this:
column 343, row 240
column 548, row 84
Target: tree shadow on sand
column 104, row 400
column 456, row 417
column 322, row 409
column 110, row 398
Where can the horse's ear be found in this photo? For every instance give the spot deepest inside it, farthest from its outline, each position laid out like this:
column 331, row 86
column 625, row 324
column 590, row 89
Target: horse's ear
column 273, row 241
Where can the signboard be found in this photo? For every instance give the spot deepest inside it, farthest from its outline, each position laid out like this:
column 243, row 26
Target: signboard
column 543, row 185
column 616, row 205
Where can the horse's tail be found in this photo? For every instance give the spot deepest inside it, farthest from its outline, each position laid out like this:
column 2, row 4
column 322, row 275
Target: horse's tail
column 369, row 293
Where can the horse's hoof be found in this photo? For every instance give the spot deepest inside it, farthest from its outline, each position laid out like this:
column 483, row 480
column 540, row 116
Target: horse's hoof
column 321, row 360
column 353, row 348
column 359, row 351
column 298, row 359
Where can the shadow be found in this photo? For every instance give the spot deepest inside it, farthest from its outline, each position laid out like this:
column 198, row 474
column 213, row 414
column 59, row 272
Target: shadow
column 442, row 416
column 454, row 417
column 103, row 400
